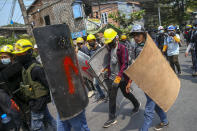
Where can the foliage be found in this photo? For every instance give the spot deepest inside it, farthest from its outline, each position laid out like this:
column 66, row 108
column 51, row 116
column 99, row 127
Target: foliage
column 11, row 40
column 176, row 11
column 126, row 22
column 15, row 24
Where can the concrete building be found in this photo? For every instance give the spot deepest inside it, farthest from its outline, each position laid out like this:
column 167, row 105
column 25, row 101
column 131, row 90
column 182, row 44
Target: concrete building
column 102, row 10
column 49, row 12
column 8, row 31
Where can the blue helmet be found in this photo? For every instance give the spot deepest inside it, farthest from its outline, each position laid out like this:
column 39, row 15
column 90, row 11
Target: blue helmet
column 171, row 27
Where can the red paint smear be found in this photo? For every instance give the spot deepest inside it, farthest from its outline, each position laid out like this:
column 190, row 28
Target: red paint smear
column 14, row 105
column 84, row 68
column 67, row 64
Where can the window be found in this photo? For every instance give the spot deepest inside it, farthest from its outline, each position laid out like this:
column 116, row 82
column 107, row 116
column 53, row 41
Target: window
column 104, row 18
column 47, row 20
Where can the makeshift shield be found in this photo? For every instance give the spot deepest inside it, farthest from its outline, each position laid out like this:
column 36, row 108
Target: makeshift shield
column 61, row 67
column 98, row 62
column 85, row 69
column 153, row 74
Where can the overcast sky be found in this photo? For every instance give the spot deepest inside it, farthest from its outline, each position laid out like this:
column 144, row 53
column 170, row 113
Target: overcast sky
column 6, row 11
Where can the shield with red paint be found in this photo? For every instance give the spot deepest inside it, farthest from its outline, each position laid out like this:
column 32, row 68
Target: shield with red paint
column 62, row 69
column 85, row 69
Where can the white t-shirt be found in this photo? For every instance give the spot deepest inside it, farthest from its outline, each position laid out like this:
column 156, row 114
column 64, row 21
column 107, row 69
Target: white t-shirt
column 173, row 46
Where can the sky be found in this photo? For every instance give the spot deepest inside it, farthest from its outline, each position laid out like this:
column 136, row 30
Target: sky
column 6, row 10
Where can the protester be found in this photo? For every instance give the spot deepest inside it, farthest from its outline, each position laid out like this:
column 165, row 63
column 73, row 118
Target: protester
column 91, row 39
column 34, row 86
column 37, row 56
column 171, row 44
column 115, row 77
column 139, row 34
column 8, row 107
column 192, row 47
column 160, row 37
column 130, row 47
column 187, row 36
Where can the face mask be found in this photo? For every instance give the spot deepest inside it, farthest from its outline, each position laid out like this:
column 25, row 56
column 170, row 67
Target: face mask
column 92, row 44
column 161, row 31
column 112, row 44
column 5, row 61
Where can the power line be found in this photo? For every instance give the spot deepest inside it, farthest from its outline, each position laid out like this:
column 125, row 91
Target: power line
column 12, row 11
column 3, row 5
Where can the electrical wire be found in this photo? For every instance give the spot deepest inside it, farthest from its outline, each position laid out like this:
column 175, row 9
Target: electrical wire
column 3, row 5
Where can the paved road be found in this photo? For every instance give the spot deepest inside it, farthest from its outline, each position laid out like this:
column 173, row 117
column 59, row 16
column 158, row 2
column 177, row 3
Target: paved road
column 182, row 116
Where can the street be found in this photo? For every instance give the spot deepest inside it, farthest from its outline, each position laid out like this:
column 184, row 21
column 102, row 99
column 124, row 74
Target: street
column 182, row 116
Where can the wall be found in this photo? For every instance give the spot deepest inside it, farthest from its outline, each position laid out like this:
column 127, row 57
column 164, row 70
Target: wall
column 59, row 13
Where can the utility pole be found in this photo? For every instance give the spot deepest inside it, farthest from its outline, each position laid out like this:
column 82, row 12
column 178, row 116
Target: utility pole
column 159, row 14
column 25, row 17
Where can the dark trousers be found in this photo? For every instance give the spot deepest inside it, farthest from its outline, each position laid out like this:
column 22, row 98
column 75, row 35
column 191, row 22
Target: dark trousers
column 113, row 94
column 174, row 61
column 88, row 84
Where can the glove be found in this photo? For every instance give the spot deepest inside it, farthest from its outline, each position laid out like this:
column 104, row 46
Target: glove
column 116, row 82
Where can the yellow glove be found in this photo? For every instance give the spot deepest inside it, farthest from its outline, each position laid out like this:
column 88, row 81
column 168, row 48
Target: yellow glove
column 117, row 80
column 176, row 39
column 165, row 48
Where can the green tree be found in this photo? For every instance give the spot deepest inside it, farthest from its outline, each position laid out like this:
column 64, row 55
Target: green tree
column 176, row 11
column 124, row 22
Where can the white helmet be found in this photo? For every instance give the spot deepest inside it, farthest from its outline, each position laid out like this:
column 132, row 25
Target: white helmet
column 160, row 28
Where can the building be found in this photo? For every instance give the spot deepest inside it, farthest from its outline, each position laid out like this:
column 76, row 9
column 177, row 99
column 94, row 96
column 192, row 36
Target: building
column 9, row 31
column 103, row 9
column 49, row 12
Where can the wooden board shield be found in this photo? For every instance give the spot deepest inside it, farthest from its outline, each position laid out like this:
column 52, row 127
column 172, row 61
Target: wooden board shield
column 85, row 69
column 153, row 74
column 61, row 67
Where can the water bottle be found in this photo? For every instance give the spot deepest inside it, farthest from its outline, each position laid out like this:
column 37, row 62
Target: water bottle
column 5, row 119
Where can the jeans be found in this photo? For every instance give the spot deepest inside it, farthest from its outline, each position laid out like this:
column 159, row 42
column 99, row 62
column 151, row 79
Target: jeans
column 174, row 61
column 97, row 86
column 78, row 123
column 151, row 106
column 113, row 94
column 194, row 60
column 41, row 120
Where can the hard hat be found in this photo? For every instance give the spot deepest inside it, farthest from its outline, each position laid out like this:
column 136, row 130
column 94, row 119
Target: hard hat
column 123, row 37
column 91, row 37
column 171, row 28
column 79, row 40
column 7, row 49
column 109, row 35
column 22, row 46
column 160, row 28
column 137, row 29
column 188, row 26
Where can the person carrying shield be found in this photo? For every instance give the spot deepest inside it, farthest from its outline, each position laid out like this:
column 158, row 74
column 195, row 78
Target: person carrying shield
column 139, row 34
column 118, row 62
column 83, row 48
column 91, row 39
column 34, row 86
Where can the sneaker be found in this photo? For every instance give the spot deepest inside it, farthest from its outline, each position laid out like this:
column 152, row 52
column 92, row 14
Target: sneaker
column 90, row 94
column 194, row 74
column 109, row 123
column 161, row 126
column 136, row 109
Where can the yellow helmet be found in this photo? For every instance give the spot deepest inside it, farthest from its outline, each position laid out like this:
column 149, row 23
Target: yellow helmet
column 79, row 40
column 109, row 35
column 188, row 26
column 123, row 37
column 22, row 46
column 91, row 37
column 7, row 49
